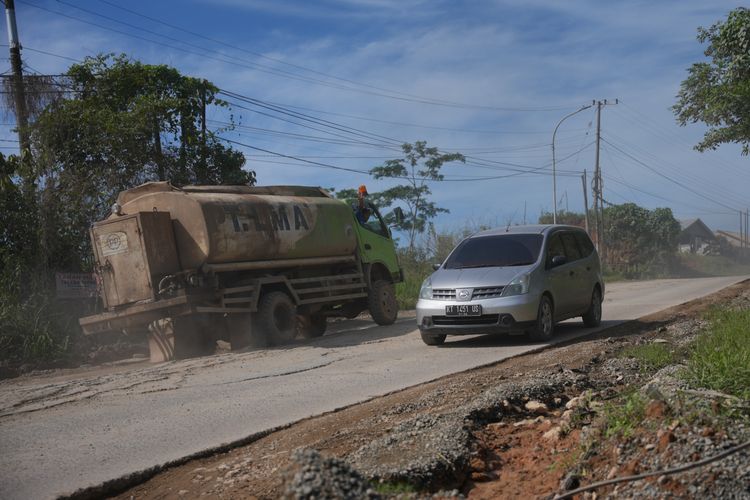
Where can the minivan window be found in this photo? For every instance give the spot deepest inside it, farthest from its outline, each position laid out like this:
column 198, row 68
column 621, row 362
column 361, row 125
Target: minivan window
column 496, row 251
column 584, row 242
column 571, row 247
column 554, row 248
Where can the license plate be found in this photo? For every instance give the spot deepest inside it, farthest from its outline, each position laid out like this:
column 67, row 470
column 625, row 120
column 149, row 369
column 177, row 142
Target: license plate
column 464, row 310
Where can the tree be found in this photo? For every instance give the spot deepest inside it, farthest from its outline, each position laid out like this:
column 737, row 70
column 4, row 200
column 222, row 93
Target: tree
column 122, row 124
column 419, row 165
column 717, row 92
column 564, row 217
column 639, row 239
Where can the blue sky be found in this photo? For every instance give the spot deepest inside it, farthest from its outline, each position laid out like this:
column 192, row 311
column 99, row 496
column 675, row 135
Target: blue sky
column 487, row 79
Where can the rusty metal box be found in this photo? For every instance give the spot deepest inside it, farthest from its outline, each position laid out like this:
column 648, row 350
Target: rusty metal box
column 133, row 252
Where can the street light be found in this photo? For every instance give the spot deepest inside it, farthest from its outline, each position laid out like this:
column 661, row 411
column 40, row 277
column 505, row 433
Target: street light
column 554, row 176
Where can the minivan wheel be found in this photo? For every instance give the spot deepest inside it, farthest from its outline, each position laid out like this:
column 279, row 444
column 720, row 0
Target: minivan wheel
column 433, row 338
column 545, row 323
column 593, row 317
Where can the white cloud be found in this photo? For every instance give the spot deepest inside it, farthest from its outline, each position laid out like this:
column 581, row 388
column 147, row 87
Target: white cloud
column 513, row 54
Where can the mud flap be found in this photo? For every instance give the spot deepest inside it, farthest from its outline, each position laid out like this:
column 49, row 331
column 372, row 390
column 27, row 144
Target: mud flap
column 161, row 340
column 240, row 331
column 179, row 338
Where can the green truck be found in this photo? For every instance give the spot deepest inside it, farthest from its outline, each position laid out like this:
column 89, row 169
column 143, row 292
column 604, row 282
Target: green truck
column 248, row 265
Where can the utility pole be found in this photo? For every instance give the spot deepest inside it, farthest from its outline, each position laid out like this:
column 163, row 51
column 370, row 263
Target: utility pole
column 598, row 185
column 585, row 201
column 19, row 95
column 742, row 235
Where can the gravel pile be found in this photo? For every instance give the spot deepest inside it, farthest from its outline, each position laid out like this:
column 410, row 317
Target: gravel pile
column 314, row 476
column 728, row 478
column 433, row 451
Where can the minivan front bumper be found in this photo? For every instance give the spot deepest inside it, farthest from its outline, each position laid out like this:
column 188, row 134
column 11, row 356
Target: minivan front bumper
column 499, row 315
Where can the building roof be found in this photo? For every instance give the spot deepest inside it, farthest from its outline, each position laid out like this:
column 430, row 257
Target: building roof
column 696, row 227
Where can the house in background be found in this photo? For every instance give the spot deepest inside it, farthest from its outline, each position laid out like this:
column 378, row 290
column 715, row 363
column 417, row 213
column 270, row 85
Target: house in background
column 695, row 236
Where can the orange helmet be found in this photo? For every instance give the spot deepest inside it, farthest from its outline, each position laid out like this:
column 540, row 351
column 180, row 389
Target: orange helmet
column 362, row 189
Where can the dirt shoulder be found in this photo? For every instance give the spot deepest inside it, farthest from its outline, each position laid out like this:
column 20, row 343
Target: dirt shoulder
column 520, row 428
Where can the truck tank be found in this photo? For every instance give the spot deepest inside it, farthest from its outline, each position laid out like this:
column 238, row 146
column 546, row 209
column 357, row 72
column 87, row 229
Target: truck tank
column 223, row 224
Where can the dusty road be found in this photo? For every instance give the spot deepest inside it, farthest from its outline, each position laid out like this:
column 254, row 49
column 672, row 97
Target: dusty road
column 60, row 433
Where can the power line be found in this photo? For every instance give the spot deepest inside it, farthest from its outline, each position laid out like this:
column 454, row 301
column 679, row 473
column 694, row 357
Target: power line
column 674, row 181
column 705, row 184
column 278, row 72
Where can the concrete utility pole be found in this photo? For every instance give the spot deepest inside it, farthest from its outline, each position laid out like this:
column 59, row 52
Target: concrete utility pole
column 598, row 185
column 747, row 229
column 585, row 201
column 19, row 95
column 742, row 234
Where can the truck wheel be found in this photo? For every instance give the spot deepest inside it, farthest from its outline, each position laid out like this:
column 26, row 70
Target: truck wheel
column 545, row 321
column 593, row 317
column 382, row 302
column 277, row 318
column 433, row 338
column 312, row 326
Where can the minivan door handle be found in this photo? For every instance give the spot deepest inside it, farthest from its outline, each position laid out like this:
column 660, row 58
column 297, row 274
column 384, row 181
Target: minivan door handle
column 368, row 246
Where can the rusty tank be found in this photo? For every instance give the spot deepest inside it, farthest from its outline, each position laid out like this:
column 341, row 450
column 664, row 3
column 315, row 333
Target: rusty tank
column 224, row 224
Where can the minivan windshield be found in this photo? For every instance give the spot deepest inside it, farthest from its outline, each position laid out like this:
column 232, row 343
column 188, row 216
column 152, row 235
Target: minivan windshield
column 496, row 251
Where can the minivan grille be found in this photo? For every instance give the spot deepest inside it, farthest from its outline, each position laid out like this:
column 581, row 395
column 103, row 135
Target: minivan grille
column 444, row 293
column 487, row 293
column 479, row 293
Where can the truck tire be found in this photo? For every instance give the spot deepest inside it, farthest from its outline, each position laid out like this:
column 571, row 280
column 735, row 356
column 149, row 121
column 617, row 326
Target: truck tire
column 312, row 326
column 433, row 338
column 382, row 302
column 276, row 318
column 545, row 321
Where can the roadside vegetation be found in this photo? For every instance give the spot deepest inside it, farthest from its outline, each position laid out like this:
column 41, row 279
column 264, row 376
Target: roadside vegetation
column 720, row 357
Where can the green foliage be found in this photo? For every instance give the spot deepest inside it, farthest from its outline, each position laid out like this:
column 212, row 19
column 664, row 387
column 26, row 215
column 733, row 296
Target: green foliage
column 717, row 92
column 720, row 357
column 640, row 241
column 565, row 217
column 395, row 488
column 651, row 357
column 624, row 415
column 417, row 265
column 419, row 165
column 33, row 329
column 122, row 124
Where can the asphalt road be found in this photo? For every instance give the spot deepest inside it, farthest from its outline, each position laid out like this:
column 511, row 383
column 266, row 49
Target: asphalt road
column 62, row 432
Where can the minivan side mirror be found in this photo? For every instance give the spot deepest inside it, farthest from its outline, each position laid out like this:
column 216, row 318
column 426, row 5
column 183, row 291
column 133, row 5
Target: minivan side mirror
column 436, row 266
column 559, row 260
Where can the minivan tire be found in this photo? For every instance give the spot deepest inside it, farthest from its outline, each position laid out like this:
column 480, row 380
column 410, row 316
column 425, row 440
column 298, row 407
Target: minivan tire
column 433, row 338
column 545, row 321
column 593, row 317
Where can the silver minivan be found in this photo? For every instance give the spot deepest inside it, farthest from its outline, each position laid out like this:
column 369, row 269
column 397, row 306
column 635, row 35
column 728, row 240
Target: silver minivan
column 512, row 280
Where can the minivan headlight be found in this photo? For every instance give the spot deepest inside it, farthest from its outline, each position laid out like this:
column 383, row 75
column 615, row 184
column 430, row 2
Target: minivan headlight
column 425, row 292
column 518, row 286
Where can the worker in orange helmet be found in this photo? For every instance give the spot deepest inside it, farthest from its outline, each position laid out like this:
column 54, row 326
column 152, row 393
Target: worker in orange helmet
column 362, row 212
